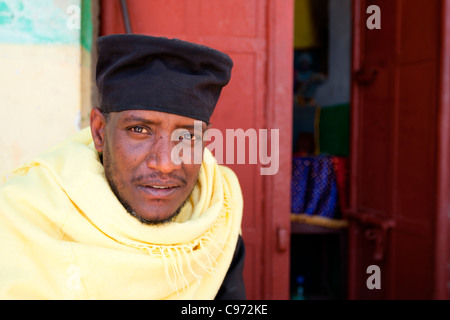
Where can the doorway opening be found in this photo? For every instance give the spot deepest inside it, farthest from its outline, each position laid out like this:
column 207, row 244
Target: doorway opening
column 320, row 148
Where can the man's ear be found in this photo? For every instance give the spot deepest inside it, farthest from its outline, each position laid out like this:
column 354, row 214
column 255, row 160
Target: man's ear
column 98, row 127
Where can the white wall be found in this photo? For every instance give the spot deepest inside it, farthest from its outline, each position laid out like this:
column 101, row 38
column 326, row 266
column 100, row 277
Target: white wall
column 44, row 77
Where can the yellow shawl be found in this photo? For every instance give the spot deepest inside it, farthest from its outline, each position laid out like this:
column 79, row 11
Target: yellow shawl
column 64, row 235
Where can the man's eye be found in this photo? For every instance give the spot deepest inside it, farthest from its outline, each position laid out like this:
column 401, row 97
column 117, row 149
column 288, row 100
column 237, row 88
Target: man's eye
column 188, row 136
column 138, row 129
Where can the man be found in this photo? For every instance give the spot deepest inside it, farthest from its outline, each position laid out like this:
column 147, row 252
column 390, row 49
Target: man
column 109, row 214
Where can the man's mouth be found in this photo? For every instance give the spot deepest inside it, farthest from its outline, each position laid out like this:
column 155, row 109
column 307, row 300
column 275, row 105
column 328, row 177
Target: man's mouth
column 161, row 187
column 159, row 190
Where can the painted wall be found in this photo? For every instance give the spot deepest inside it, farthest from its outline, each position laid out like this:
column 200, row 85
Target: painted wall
column 45, row 75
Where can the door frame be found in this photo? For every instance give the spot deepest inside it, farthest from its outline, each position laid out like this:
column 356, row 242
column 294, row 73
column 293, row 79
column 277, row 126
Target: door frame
column 442, row 276
column 277, row 188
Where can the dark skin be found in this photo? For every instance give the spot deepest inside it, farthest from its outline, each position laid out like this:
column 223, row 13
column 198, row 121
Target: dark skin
column 136, row 148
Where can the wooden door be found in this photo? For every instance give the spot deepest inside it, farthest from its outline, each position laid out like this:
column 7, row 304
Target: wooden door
column 399, row 151
column 257, row 34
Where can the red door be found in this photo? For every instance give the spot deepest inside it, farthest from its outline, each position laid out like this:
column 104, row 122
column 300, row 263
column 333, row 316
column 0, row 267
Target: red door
column 257, row 34
column 398, row 152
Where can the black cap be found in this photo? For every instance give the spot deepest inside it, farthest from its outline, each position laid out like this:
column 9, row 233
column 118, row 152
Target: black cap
column 140, row 72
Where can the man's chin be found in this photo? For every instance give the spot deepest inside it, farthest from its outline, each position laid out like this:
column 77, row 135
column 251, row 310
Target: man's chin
column 153, row 217
column 158, row 220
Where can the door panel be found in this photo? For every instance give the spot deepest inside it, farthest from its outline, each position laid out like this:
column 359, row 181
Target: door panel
column 394, row 158
column 416, row 142
column 375, row 144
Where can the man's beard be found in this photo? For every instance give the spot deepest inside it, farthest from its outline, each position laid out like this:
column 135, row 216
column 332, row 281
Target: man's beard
column 136, row 215
column 130, row 209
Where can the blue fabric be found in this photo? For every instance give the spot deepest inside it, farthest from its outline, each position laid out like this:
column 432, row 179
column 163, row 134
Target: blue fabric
column 314, row 189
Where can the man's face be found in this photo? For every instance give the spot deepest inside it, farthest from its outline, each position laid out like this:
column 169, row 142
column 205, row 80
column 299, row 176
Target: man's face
column 136, row 147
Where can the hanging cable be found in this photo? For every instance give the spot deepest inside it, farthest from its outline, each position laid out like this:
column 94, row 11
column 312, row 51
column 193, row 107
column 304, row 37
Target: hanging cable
column 125, row 16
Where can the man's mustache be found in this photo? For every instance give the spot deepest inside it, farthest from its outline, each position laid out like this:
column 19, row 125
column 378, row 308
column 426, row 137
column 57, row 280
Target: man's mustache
column 160, row 177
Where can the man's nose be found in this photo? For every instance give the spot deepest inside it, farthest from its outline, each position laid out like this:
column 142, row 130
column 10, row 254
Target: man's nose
column 160, row 156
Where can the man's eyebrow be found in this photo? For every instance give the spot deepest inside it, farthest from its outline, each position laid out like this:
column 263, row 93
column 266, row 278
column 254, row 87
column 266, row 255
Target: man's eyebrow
column 139, row 119
column 190, row 126
column 150, row 121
